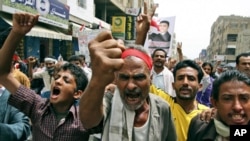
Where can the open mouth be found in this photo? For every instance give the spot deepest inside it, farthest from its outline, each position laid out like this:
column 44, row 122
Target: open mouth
column 238, row 118
column 56, row 91
column 132, row 95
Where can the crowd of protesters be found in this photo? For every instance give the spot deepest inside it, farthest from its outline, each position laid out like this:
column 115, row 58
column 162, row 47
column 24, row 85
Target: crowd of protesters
column 115, row 99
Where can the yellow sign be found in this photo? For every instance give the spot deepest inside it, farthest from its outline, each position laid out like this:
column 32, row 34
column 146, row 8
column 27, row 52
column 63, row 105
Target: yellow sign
column 118, row 24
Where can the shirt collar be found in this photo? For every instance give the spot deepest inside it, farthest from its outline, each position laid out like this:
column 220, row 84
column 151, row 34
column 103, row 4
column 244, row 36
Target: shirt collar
column 2, row 90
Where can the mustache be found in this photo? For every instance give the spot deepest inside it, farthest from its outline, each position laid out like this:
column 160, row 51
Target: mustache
column 185, row 88
column 134, row 91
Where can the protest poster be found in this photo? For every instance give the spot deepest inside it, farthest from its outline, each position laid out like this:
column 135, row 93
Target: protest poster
column 160, row 34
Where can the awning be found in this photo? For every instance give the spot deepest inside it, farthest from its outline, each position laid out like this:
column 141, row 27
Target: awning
column 44, row 32
column 76, row 29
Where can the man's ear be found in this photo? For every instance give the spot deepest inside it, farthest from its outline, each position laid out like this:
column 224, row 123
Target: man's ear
column 213, row 102
column 78, row 94
column 200, row 87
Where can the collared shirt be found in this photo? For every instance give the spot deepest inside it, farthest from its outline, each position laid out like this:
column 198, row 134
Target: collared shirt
column 45, row 126
column 181, row 118
column 158, row 80
column 2, row 90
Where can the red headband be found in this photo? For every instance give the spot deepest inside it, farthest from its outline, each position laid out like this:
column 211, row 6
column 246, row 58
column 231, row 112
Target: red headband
column 133, row 52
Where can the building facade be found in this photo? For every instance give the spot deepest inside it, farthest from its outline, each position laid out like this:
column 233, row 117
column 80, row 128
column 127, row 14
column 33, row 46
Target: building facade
column 229, row 37
column 60, row 22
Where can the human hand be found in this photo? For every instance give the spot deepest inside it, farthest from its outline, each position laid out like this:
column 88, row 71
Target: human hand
column 31, row 60
column 23, row 22
column 144, row 19
column 208, row 114
column 105, row 53
column 110, row 88
column 179, row 47
column 171, row 63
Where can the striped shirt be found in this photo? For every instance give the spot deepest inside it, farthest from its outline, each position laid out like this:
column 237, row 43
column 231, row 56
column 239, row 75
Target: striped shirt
column 45, row 126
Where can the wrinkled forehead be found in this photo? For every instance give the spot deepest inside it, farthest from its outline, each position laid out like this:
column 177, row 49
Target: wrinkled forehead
column 133, row 65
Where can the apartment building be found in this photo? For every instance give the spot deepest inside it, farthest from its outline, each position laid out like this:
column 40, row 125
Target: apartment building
column 229, row 37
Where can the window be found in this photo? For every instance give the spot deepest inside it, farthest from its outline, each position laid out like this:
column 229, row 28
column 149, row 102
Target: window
column 232, row 37
column 230, row 51
column 82, row 3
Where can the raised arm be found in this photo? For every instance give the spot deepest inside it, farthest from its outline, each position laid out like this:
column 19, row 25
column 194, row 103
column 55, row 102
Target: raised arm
column 143, row 23
column 22, row 24
column 179, row 50
column 105, row 53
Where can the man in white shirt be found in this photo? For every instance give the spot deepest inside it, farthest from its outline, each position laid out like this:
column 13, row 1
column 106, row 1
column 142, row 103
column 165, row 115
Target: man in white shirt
column 162, row 77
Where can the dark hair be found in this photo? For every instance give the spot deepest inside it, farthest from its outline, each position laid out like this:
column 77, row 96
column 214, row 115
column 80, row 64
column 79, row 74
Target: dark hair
column 245, row 54
column 50, row 56
column 188, row 63
column 159, row 49
column 82, row 56
column 208, row 64
column 230, row 75
column 75, row 58
column 79, row 75
column 164, row 21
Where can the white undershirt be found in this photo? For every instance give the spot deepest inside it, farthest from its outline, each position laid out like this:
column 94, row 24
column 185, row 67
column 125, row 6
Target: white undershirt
column 141, row 133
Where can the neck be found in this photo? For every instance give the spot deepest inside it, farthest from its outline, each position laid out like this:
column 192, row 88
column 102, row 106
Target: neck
column 187, row 105
column 141, row 115
column 61, row 108
column 158, row 69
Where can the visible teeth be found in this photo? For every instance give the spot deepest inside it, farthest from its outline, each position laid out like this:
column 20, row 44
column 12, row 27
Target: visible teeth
column 237, row 117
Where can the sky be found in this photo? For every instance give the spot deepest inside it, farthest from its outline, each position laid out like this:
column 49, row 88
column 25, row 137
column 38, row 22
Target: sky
column 194, row 19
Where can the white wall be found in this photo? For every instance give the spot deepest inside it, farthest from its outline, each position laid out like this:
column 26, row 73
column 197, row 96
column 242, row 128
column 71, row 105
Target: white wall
column 85, row 14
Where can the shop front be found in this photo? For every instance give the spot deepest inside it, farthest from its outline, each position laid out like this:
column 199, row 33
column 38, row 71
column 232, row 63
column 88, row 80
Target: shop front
column 45, row 38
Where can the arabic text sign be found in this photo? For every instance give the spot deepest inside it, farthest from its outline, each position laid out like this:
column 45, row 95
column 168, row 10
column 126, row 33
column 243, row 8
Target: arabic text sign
column 51, row 12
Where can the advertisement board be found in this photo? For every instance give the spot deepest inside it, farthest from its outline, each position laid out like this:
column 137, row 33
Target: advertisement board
column 51, row 12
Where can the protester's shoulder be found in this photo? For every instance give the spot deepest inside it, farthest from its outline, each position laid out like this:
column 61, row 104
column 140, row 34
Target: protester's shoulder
column 198, row 124
column 152, row 35
column 158, row 100
column 167, row 70
column 196, row 128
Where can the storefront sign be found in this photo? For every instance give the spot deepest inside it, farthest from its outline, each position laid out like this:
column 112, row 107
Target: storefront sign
column 51, row 12
column 130, row 22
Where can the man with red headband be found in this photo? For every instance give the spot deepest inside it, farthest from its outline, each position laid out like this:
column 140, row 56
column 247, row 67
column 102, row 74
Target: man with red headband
column 131, row 113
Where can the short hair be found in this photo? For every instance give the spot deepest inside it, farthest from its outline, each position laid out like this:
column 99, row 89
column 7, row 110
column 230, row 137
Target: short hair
column 230, row 75
column 159, row 49
column 82, row 56
column 165, row 21
column 245, row 54
column 188, row 63
column 75, row 58
column 79, row 75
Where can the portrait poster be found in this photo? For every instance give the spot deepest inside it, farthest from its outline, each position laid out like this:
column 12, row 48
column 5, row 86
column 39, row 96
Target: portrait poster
column 160, row 34
column 84, row 37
